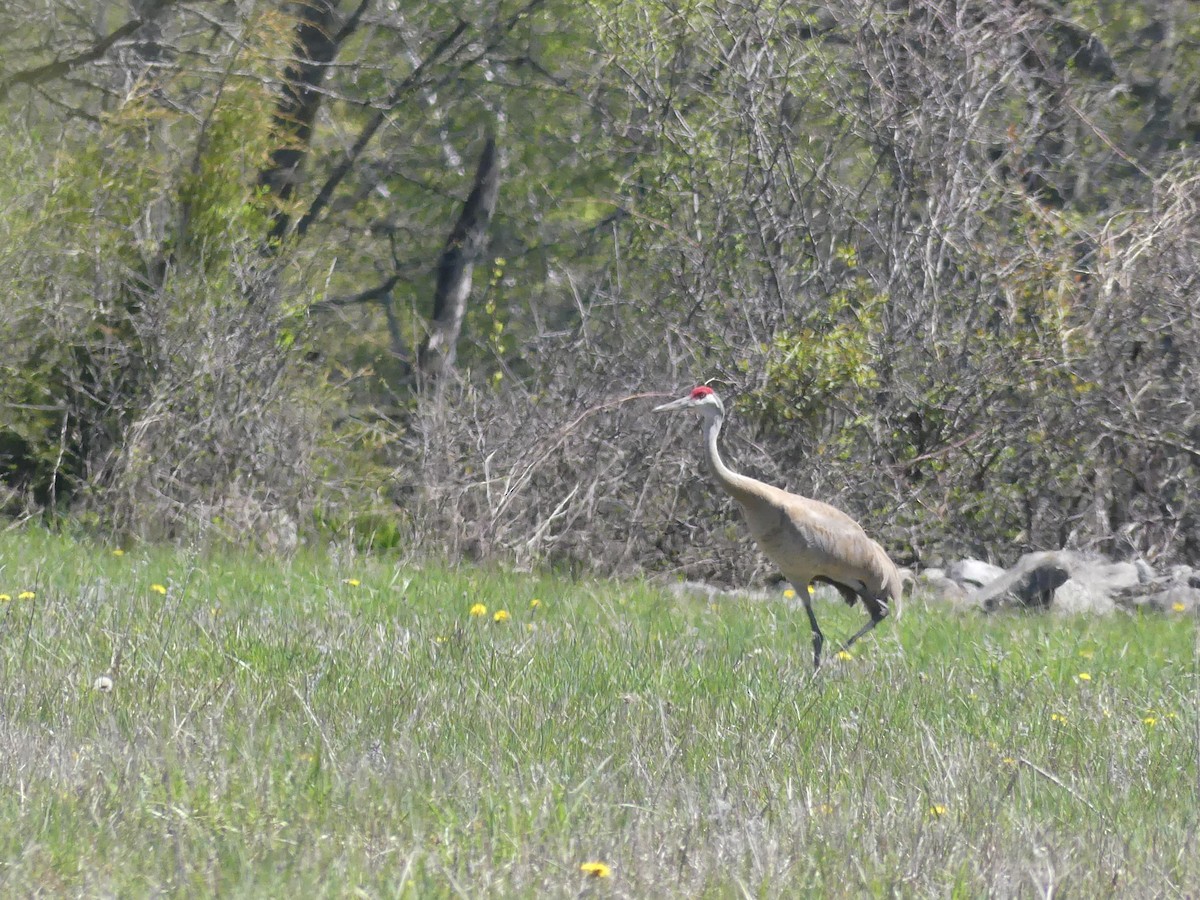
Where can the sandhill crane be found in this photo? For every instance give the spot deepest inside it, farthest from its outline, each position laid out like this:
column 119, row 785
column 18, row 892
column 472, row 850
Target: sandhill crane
column 807, row 539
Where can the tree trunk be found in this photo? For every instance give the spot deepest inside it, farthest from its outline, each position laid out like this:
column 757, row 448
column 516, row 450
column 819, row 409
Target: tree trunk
column 316, row 44
column 462, row 251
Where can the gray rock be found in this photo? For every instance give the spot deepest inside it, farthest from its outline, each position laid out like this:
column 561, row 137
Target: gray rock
column 1061, row 580
column 1179, row 598
column 1146, row 573
column 1180, row 574
column 1177, row 590
column 973, row 573
column 1031, row 582
column 934, row 584
column 1094, row 585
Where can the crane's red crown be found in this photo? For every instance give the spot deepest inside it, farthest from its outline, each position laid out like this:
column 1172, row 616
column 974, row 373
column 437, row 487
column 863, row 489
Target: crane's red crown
column 700, row 392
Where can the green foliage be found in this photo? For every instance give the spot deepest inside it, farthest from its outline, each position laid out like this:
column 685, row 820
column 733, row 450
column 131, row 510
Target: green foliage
column 828, row 359
column 132, row 276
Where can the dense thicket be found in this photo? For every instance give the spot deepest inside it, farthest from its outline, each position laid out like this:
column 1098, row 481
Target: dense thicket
column 402, row 270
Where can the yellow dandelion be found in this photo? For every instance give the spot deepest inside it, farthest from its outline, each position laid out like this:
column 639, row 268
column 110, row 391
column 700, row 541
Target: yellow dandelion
column 352, row 582
column 1150, row 721
column 1058, row 717
column 26, row 595
column 478, row 611
column 5, row 598
column 845, row 655
column 118, row 552
column 530, row 627
column 1009, row 761
column 501, row 616
column 596, row 869
column 158, row 589
column 535, row 603
column 1084, row 676
column 1169, row 715
column 937, row 810
column 1178, row 607
column 789, row 593
column 811, row 590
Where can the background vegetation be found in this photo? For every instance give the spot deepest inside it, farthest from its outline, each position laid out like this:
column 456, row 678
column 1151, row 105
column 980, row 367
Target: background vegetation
column 262, row 276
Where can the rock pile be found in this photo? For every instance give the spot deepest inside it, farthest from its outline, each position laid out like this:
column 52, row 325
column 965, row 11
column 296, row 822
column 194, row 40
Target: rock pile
column 1063, row 581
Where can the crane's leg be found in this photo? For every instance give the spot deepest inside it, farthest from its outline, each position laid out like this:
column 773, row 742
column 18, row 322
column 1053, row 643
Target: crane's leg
column 818, row 638
column 878, row 610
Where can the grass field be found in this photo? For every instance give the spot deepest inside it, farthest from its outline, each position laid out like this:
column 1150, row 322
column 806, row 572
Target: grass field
column 343, row 726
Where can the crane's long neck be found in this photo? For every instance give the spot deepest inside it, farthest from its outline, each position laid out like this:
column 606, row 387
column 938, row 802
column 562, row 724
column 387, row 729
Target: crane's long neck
column 738, row 486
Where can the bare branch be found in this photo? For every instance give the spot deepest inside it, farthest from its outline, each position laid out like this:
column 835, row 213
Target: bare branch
column 60, row 67
column 402, row 90
column 370, row 295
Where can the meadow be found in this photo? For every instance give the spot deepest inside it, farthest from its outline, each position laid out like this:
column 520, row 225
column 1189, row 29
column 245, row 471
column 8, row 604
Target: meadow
column 339, row 725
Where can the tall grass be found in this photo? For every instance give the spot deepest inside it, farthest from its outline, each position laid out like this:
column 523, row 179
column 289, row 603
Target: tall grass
column 338, row 726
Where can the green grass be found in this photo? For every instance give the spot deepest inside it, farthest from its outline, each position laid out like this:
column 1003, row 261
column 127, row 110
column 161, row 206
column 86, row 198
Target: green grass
column 273, row 729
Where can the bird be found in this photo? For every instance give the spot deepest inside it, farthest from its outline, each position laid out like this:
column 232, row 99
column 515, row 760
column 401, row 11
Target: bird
column 808, row 540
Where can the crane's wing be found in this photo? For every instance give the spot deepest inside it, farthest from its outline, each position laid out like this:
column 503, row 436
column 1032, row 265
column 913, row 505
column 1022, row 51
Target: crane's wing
column 808, row 539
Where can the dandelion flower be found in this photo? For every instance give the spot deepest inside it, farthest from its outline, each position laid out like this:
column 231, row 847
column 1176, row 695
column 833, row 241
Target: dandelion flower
column 937, row 810
column 535, row 603
column 158, row 589
column 1150, row 721
column 1058, row 717
column 1009, row 761
column 118, row 552
column 1178, row 607
column 501, row 616
column 789, row 593
column 478, row 611
column 26, row 595
column 352, row 582
column 845, row 654
column 1084, row 676
column 5, row 598
column 595, row 869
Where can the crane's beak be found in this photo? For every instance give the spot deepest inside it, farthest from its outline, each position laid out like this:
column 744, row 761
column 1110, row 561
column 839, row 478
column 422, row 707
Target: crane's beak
column 681, row 403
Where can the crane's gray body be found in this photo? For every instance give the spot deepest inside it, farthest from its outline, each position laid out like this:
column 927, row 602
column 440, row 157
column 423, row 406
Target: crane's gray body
column 810, row 540
column 807, row 539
